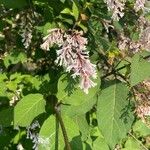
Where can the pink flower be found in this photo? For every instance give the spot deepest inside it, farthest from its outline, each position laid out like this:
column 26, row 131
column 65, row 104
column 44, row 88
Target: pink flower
column 143, row 111
column 86, row 83
column 139, row 5
column 55, row 36
column 117, row 7
column 73, row 56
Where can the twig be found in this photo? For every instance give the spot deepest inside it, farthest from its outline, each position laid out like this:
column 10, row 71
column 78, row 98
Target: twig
column 114, row 71
column 58, row 115
column 145, row 148
column 57, row 134
column 146, row 57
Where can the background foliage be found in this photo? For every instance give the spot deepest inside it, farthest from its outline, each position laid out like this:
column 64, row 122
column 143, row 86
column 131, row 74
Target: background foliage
column 42, row 106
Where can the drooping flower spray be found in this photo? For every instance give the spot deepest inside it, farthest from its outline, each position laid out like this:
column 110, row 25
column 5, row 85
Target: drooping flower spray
column 139, row 4
column 116, row 7
column 72, row 55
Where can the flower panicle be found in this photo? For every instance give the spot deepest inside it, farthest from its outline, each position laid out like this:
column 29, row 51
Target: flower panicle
column 139, row 4
column 73, row 55
column 55, row 36
column 116, row 7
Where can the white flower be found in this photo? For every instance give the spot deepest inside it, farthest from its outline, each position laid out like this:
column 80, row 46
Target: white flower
column 31, row 133
column 44, row 142
column 15, row 98
column 26, row 38
column 20, row 147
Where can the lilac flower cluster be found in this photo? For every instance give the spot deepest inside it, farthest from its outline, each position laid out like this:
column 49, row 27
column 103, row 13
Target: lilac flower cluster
column 127, row 45
column 72, row 55
column 139, row 4
column 55, row 36
column 117, row 7
column 143, row 111
column 145, row 39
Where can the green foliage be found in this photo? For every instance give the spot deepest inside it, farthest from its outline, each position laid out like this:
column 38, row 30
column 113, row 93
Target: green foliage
column 51, row 130
column 14, row 58
column 76, row 110
column 83, row 126
column 6, row 117
column 75, row 11
column 100, row 144
column 114, row 120
column 141, row 129
column 69, row 92
column 28, row 108
column 50, row 97
column 140, row 69
column 131, row 144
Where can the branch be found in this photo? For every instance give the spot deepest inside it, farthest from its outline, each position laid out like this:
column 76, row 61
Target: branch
column 58, row 115
column 114, row 71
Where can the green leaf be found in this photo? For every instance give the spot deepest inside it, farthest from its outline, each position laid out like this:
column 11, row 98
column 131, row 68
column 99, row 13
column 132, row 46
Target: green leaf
column 3, row 77
column 48, row 26
column 75, row 11
column 140, row 70
column 117, row 26
column 132, row 144
column 114, row 118
column 3, row 91
column 100, row 144
column 5, row 140
column 83, row 27
column 12, row 85
column 50, row 129
column 6, row 117
column 66, row 11
column 70, row 93
column 83, row 126
column 135, row 36
column 67, row 20
column 88, row 144
column 62, row 1
column 18, row 136
column 73, row 111
column 28, row 108
column 141, row 128
column 14, row 58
